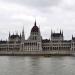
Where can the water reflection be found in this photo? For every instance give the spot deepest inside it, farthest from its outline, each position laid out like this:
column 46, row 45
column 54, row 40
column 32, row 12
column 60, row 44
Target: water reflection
column 37, row 65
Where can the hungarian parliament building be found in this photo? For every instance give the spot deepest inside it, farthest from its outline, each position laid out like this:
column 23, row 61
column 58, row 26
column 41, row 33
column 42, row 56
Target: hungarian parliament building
column 35, row 45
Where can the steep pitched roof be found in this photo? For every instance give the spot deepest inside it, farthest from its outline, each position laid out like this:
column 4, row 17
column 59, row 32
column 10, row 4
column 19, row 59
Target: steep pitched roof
column 56, row 34
column 3, row 42
column 14, row 36
column 45, row 41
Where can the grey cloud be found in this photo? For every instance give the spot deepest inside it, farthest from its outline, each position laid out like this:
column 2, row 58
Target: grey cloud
column 36, row 3
column 40, row 5
column 70, row 9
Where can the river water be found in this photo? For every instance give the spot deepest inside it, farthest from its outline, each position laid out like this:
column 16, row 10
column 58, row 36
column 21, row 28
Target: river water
column 17, row 65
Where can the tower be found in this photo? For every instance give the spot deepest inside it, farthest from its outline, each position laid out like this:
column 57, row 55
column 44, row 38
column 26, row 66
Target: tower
column 23, row 36
column 35, row 38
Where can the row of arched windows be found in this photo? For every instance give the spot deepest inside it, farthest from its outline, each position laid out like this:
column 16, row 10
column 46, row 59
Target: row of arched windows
column 56, row 48
column 30, row 44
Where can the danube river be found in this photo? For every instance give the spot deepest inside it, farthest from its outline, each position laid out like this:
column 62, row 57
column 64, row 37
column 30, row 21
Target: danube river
column 15, row 65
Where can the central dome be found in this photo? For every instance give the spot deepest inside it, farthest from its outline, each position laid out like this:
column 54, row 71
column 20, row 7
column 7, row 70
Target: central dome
column 35, row 28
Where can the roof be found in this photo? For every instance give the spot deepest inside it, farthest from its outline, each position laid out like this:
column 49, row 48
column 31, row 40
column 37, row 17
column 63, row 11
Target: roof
column 14, row 36
column 73, row 38
column 45, row 41
column 3, row 42
column 56, row 34
column 68, row 41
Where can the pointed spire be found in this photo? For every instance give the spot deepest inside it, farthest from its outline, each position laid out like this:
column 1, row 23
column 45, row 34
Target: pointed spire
column 20, row 35
column 35, row 23
column 72, row 36
column 23, row 30
column 9, row 34
column 60, row 31
column 23, row 36
column 51, row 31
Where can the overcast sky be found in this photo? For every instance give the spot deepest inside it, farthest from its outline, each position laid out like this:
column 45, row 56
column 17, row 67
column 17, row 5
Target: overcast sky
column 49, row 14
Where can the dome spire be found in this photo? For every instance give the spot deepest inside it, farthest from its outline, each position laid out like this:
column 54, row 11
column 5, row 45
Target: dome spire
column 35, row 28
column 35, row 23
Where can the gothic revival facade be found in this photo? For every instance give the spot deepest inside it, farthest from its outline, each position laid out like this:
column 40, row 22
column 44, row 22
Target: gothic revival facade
column 16, row 44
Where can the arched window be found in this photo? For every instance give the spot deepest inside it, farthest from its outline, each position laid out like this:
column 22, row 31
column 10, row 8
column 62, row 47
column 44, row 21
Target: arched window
column 35, row 38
